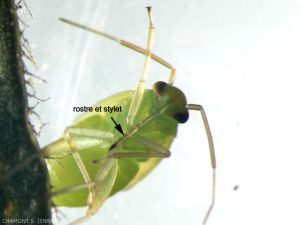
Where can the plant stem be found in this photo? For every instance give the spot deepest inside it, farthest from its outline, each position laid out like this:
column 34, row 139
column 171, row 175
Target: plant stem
column 25, row 194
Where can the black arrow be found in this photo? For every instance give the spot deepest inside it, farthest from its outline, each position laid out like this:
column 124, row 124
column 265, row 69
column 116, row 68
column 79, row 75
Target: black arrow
column 118, row 126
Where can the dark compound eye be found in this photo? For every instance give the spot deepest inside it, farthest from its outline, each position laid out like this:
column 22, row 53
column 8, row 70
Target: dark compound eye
column 181, row 117
column 159, row 87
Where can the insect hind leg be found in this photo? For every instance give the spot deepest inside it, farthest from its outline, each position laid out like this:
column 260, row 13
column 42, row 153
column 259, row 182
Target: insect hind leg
column 79, row 162
column 212, row 156
column 83, row 132
column 102, row 186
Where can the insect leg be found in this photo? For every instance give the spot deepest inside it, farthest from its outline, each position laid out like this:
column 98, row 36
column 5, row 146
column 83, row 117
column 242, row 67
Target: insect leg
column 154, row 150
column 154, row 57
column 103, row 183
column 72, row 188
column 212, row 155
column 80, row 164
column 82, row 138
column 59, row 148
column 128, row 45
column 74, row 151
column 139, row 91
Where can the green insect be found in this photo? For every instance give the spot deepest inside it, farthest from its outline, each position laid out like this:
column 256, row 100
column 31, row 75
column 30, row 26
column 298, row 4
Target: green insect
column 92, row 160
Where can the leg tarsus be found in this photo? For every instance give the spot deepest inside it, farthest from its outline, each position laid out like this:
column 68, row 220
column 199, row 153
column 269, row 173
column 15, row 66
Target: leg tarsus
column 212, row 203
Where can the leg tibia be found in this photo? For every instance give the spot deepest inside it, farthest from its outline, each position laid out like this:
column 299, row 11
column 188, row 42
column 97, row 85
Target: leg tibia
column 212, row 157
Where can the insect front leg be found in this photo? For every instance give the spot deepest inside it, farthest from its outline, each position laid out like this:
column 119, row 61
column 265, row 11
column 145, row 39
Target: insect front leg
column 129, row 45
column 212, row 156
column 139, row 92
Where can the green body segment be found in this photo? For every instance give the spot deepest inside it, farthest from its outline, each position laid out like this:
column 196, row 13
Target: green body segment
column 63, row 170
